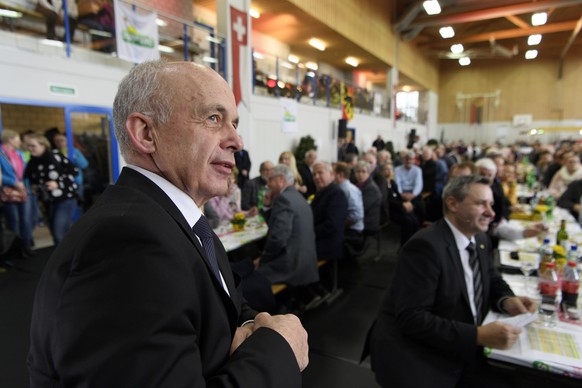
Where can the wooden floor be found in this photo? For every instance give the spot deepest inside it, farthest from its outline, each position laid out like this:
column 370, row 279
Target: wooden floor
column 336, row 331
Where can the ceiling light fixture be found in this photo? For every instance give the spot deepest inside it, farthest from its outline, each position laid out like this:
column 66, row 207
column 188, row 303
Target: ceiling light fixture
column 161, row 23
column 165, row 49
column 539, row 19
column 287, row 65
column 209, row 59
column 293, row 58
column 406, row 88
column 318, row 44
column 312, row 66
column 432, row 7
column 352, row 61
column 254, row 13
column 534, row 39
column 465, row 61
column 447, row 32
column 531, row 54
column 51, row 42
column 10, row 14
column 457, row 48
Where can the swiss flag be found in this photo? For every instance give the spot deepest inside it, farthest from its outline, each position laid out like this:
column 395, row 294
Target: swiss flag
column 239, row 33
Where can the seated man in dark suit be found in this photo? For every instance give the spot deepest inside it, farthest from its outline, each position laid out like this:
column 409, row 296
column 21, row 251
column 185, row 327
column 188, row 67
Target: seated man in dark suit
column 330, row 210
column 371, row 196
column 430, row 331
column 306, row 172
column 254, row 189
column 571, row 198
column 401, row 212
column 289, row 254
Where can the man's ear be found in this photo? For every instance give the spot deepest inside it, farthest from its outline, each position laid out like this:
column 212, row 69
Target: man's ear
column 451, row 203
column 141, row 132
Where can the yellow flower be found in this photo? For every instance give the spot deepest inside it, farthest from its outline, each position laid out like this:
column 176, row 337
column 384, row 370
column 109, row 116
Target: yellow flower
column 559, row 251
column 239, row 219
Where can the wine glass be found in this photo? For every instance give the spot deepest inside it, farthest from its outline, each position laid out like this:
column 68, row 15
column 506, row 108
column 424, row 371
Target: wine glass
column 527, row 268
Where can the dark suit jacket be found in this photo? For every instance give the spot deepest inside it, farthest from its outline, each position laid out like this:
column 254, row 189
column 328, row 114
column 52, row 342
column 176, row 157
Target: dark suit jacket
column 289, row 254
column 372, row 198
column 243, row 162
column 330, row 210
column 250, row 192
column 307, row 178
column 129, row 300
column 425, row 335
column 571, row 197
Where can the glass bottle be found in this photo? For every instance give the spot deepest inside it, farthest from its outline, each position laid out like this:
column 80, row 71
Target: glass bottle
column 549, row 285
column 562, row 236
column 570, row 286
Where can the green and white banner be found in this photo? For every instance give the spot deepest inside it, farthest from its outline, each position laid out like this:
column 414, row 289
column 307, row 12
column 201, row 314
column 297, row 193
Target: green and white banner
column 136, row 33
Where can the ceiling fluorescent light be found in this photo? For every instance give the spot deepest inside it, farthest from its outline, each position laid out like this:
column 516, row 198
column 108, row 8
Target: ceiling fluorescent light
column 534, row 39
column 104, row 34
column 432, row 7
column 531, row 54
column 352, row 61
column 312, row 66
column 447, row 32
column 254, row 13
column 50, row 42
column 213, row 39
column 10, row 14
column 258, row 55
column 407, row 88
column 457, row 48
column 161, row 23
column 293, row 58
column 539, row 19
column 210, row 60
column 465, row 61
column 165, row 49
column 318, row 44
column 287, row 65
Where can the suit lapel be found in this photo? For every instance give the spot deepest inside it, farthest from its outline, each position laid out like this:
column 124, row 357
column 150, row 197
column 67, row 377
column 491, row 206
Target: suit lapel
column 456, row 261
column 129, row 177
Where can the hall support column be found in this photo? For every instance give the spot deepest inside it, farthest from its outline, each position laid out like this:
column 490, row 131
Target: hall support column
column 234, row 23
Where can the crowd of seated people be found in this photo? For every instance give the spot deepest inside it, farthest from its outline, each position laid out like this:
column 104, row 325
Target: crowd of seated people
column 355, row 196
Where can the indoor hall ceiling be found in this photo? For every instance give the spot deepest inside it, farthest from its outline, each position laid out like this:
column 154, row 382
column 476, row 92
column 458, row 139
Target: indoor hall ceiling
column 491, row 28
column 486, row 28
column 291, row 25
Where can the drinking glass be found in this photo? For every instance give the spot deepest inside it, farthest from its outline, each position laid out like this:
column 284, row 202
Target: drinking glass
column 527, row 268
column 548, row 310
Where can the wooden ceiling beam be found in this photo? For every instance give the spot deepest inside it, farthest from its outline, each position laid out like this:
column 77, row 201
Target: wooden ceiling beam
column 518, row 21
column 575, row 33
column 445, row 19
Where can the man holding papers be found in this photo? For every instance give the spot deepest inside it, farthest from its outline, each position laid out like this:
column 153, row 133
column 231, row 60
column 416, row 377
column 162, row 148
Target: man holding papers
column 429, row 332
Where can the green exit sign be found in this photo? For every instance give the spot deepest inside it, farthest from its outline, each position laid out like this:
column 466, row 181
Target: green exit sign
column 63, row 90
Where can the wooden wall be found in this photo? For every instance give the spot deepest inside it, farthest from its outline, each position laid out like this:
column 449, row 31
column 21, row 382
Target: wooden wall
column 527, row 87
column 368, row 23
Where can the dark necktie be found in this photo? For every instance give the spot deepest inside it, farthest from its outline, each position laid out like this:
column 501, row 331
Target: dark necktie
column 477, row 281
column 204, row 232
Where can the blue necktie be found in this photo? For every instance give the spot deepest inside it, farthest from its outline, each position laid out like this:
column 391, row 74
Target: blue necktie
column 477, row 281
column 204, row 232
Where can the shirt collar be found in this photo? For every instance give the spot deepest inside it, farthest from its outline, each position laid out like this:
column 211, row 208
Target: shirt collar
column 183, row 202
column 460, row 239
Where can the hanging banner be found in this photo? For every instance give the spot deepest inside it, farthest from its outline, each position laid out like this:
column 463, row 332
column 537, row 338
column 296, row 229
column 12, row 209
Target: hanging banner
column 239, row 33
column 289, row 115
column 137, row 34
column 347, row 102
